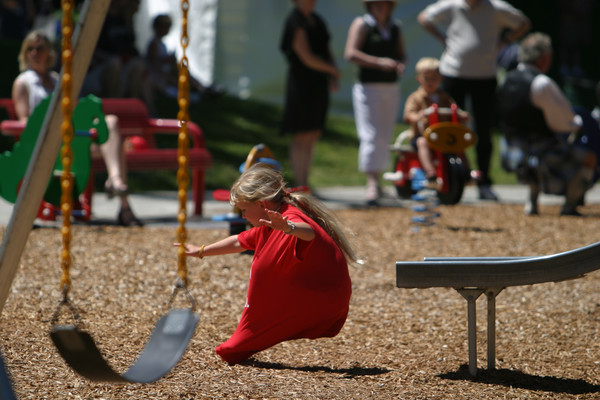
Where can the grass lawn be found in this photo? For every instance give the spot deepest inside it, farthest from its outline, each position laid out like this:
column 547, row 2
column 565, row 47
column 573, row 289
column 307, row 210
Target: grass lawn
column 233, row 126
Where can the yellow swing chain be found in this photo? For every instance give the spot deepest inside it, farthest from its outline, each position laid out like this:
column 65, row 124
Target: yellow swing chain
column 66, row 179
column 183, row 98
column 67, row 136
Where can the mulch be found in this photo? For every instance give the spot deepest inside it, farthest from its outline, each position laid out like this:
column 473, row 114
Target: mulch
column 397, row 343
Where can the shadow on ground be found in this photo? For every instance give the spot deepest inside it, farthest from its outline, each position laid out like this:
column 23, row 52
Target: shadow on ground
column 518, row 379
column 346, row 372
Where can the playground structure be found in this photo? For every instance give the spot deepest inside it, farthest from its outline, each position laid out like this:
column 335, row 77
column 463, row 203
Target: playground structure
column 144, row 154
column 47, row 147
column 474, row 276
column 174, row 330
column 89, row 125
column 448, row 139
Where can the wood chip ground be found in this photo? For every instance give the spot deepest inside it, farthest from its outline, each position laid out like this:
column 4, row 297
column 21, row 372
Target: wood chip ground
column 396, row 344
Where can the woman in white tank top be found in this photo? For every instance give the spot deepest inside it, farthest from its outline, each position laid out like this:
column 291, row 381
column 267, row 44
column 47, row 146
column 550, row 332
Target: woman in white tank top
column 36, row 81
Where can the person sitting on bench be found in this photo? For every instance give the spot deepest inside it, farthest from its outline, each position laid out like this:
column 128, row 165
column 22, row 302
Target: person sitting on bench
column 36, row 81
column 537, row 119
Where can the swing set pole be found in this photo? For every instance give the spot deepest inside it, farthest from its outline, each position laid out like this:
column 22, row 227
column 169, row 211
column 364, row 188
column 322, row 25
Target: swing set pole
column 47, row 147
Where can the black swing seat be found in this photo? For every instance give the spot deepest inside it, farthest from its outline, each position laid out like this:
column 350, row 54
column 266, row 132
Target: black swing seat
column 167, row 344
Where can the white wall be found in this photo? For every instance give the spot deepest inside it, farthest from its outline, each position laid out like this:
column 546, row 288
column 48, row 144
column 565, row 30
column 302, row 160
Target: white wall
column 236, row 42
column 202, row 29
column 248, row 60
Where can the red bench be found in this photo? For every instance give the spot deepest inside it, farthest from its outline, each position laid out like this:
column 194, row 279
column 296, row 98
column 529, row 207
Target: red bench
column 134, row 120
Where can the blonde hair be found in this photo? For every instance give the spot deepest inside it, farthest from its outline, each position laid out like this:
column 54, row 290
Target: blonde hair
column 427, row 64
column 32, row 37
column 263, row 183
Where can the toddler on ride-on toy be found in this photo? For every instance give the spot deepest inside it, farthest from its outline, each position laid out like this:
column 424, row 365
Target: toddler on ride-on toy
column 423, row 110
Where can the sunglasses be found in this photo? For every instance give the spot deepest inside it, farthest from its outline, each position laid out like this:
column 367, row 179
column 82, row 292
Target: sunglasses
column 39, row 48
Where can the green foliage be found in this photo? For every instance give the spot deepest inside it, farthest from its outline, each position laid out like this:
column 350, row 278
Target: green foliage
column 232, row 126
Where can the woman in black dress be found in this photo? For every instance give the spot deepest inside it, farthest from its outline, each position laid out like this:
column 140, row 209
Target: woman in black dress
column 311, row 74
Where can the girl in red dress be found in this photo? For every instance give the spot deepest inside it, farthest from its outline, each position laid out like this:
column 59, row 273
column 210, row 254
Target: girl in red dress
column 299, row 283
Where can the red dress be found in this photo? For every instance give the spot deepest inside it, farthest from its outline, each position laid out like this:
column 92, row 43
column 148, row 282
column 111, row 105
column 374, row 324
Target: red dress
column 297, row 289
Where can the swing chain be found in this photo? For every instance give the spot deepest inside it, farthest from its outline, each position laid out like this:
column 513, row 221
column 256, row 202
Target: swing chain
column 183, row 98
column 66, row 302
column 180, row 285
column 66, row 179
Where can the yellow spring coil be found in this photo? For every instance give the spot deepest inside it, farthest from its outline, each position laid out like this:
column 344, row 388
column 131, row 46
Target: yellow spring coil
column 183, row 178
column 66, row 179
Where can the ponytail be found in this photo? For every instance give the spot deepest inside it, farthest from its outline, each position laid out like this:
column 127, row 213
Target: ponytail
column 262, row 183
column 318, row 212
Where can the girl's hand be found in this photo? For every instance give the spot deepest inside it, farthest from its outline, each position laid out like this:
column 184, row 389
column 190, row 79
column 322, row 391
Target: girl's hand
column 276, row 221
column 190, row 249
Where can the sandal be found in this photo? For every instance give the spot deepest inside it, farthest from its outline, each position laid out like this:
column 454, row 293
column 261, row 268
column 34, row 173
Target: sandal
column 112, row 191
column 127, row 218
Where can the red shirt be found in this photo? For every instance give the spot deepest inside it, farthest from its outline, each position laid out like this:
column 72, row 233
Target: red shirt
column 297, row 289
